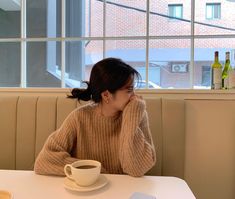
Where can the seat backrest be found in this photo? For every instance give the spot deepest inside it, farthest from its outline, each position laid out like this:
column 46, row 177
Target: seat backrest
column 27, row 121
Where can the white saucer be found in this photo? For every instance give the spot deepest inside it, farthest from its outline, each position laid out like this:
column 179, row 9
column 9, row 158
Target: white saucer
column 71, row 185
column 5, row 195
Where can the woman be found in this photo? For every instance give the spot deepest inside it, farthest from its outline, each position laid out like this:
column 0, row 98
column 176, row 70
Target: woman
column 113, row 129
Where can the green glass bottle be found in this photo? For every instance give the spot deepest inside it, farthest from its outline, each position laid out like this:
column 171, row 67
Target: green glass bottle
column 216, row 73
column 226, row 72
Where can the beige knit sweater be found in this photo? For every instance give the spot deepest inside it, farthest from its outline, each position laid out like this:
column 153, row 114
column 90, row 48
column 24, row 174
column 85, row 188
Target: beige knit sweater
column 123, row 144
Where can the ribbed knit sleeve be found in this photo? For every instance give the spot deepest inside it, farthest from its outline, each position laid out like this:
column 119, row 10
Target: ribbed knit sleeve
column 55, row 153
column 136, row 152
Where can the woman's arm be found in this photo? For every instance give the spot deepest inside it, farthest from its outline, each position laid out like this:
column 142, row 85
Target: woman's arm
column 137, row 152
column 56, row 151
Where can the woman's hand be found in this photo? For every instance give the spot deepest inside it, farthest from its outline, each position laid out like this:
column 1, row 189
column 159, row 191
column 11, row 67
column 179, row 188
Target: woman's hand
column 134, row 101
column 136, row 97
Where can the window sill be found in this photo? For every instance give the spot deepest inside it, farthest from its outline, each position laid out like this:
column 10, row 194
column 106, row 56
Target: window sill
column 159, row 93
column 190, row 93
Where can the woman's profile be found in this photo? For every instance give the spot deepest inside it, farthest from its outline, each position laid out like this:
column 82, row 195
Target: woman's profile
column 112, row 128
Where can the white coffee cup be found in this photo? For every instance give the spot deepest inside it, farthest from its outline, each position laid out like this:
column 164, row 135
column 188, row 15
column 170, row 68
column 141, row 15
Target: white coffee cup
column 5, row 194
column 83, row 172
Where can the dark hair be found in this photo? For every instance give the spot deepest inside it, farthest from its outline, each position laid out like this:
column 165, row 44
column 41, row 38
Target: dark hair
column 108, row 74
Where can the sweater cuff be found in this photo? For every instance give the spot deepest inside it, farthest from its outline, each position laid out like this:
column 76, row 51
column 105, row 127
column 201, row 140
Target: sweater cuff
column 135, row 106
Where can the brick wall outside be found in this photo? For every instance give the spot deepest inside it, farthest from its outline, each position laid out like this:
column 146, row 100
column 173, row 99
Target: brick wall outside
column 128, row 22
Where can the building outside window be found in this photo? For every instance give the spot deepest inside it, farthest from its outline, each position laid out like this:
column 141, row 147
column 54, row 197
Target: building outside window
column 206, row 75
column 55, row 43
column 213, row 11
column 175, row 11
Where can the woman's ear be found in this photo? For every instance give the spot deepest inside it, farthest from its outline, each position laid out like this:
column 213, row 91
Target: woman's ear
column 106, row 96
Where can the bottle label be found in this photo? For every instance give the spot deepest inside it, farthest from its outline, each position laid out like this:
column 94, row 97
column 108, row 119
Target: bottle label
column 217, row 78
column 231, row 79
column 226, row 83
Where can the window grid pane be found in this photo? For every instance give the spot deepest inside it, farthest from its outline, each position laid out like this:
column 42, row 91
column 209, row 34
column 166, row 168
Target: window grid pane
column 10, row 64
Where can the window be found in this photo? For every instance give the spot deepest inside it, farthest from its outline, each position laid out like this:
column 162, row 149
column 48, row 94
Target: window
column 55, row 43
column 206, row 75
column 175, row 11
column 213, row 11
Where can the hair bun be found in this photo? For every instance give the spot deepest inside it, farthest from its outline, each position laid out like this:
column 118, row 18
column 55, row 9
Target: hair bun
column 81, row 94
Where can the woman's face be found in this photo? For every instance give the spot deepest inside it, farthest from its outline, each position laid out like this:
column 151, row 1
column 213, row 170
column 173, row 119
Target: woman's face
column 121, row 97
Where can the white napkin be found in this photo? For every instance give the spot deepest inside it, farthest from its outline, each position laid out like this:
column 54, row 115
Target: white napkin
column 138, row 195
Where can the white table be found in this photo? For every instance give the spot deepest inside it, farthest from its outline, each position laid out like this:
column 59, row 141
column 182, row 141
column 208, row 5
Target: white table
column 28, row 185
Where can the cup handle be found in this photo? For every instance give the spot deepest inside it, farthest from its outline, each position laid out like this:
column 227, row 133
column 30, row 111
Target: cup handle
column 68, row 172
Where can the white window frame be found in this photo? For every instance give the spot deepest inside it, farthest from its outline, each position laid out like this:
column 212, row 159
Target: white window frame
column 23, row 40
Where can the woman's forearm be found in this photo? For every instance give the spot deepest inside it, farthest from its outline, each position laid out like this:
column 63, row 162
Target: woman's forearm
column 137, row 152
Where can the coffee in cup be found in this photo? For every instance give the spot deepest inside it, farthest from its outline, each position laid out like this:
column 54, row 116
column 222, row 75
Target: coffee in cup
column 83, row 172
